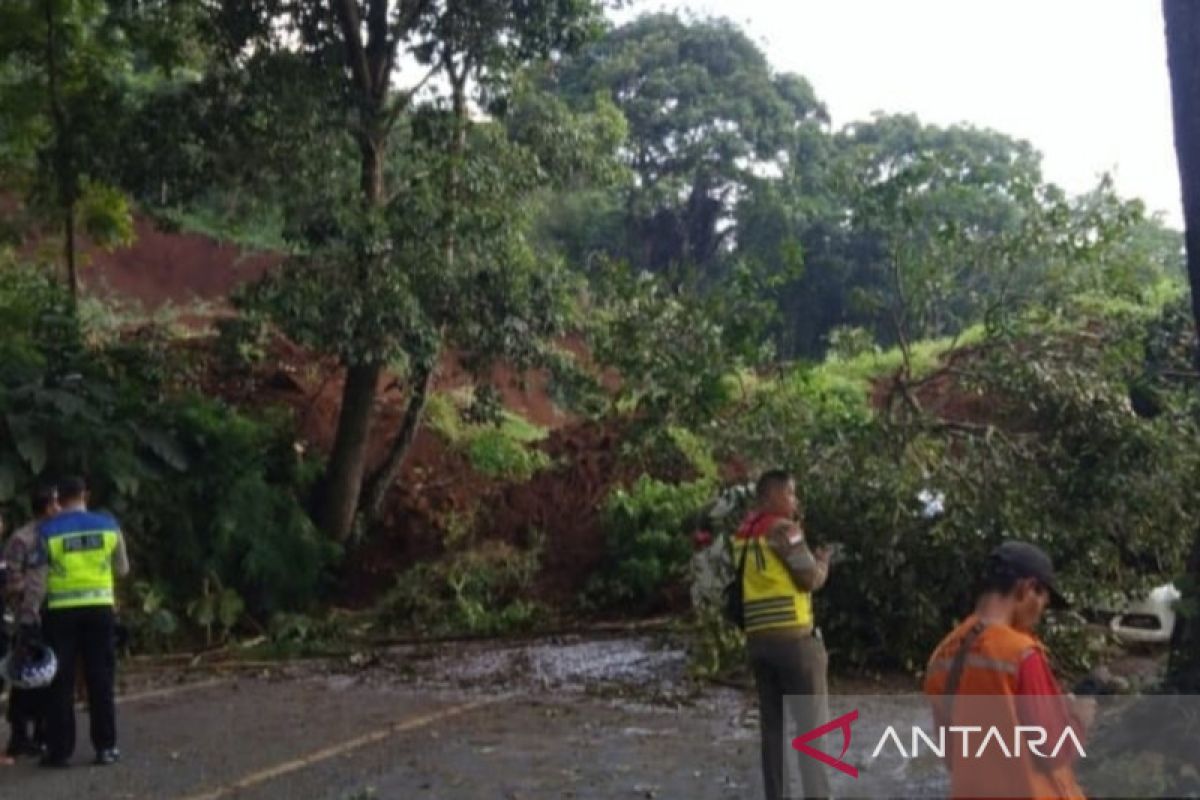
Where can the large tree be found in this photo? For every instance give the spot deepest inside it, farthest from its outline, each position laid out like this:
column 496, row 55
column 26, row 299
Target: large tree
column 706, row 115
column 1183, row 62
column 733, row 166
column 370, row 122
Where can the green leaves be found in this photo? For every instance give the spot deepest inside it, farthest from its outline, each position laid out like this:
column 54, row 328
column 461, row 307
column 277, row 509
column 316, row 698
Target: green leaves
column 202, row 492
column 1030, row 437
column 217, row 606
column 648, row 547
column 74, row 74
column 482, row 589
column 706, row 115
column 676, row 349
column 164, row 446
column 29, row 443
column 105, row 214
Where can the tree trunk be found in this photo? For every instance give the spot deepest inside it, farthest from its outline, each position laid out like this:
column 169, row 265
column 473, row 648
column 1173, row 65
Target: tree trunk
column 347, row 462
column 382, row 481
column 370, row 65
column 1183, row 61
column 62, row 158
column 69, row 251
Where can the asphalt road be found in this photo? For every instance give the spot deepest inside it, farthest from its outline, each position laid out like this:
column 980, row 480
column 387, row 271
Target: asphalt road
column 369, row 735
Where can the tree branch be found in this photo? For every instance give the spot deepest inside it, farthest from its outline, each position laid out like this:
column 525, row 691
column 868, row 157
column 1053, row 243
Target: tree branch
column 404, row 99
column 385, row 477
column 356, row 55
column 380, row 49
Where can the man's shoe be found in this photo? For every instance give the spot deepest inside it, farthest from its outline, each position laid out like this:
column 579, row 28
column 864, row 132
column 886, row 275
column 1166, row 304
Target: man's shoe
column 106, row 758
column 48, row 762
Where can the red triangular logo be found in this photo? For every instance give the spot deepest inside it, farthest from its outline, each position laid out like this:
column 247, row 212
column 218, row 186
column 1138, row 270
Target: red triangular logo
column 800, row 743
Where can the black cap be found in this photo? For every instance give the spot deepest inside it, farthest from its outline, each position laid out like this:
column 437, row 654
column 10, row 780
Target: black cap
column 1025, row 560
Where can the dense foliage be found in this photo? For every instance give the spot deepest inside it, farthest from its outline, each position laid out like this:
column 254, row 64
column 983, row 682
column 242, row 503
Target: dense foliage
column 905, row 229
column 1035, row 437
column 486, row 178
column 209, row 499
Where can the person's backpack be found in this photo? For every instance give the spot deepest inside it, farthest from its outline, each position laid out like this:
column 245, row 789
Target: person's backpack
column 735, row 600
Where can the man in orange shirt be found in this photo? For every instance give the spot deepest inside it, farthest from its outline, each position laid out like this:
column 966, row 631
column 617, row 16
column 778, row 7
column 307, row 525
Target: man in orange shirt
column 992, row 665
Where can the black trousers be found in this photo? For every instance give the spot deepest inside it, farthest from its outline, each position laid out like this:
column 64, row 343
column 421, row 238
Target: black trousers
column 85, row 633
column 27, row 715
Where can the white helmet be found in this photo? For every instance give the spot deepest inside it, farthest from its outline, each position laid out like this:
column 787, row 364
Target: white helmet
column 30, row 667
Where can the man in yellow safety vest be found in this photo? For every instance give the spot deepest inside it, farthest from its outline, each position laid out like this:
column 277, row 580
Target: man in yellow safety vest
column 85, row 549
column 779, row 574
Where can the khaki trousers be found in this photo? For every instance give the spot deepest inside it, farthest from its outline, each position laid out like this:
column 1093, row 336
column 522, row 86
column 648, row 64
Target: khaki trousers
column 789, row 662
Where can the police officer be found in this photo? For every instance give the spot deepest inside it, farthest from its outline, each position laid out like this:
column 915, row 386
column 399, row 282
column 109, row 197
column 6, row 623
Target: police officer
column 85, row 550
column 779, row 575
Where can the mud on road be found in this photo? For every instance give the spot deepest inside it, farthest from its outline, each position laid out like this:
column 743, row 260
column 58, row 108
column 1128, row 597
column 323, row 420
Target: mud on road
column 563, row 718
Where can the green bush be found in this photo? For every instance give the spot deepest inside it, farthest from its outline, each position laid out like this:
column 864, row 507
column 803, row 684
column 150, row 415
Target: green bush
column 501, row 447
column 496, row 454
column 241, row 342
column 207, row 496
column 482, row 590
column 697, row 452
column 246, row 523
column 647, row 546
column 1062, row 460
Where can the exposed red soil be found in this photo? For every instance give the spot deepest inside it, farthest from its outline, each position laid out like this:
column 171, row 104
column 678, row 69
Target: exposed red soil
column 438, row 483
column 438, row 488
column 563, row 505
column 524, row 393
column 162, row 268
column 946, row 394
column 560, row 504
column 181, row 269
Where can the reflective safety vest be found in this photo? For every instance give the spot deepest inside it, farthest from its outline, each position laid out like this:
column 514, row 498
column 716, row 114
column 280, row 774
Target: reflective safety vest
column 991, row 667
column 771, row 599
column 80, row 545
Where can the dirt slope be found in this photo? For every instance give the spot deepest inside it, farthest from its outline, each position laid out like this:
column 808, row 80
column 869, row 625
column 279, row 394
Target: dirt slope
column 178, row 269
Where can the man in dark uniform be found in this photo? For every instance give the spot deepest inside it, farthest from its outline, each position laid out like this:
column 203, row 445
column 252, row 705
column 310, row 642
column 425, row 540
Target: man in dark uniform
column 85, row 550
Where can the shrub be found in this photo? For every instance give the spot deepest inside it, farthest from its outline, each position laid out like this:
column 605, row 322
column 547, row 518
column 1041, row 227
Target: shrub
column 647, row 549
column 1063, row 461
column 502, row 446
column 481, row 590
column 210, row 499
column 496, row 454
column 242, row 520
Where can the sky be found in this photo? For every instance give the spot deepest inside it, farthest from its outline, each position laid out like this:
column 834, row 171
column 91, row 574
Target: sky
column 1085, row 81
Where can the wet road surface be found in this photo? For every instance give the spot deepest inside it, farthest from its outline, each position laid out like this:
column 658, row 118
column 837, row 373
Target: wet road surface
column 557, row 720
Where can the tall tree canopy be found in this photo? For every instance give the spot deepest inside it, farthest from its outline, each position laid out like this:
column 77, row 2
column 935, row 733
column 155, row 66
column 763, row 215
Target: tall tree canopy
column 367, row 120
column 734, row 166
column 706, row 115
